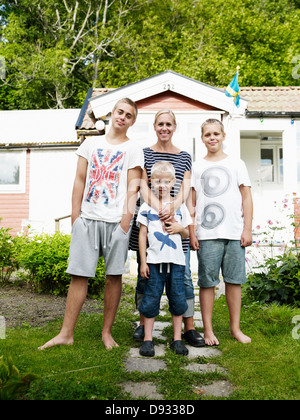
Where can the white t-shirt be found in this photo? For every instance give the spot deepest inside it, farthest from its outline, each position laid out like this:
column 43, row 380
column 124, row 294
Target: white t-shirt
column 219, row 200
column 106, row 180
column 163, row 248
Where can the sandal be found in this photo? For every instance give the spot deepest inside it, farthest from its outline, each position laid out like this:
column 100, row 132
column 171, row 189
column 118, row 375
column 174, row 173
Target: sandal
column 179, row 348
column 147, row 349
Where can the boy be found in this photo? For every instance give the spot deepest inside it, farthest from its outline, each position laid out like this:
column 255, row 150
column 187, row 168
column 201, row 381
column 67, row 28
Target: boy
column 222, row 196
column 106, row 183
column 163, row 260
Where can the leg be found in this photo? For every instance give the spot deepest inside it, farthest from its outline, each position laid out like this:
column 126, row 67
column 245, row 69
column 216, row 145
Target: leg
column 139, row 332
column 234, row 297
column 149, row 323
column 76, row 297
column 188, row 316
column 147, row 347
column 207, row 299
column 177, row 323
column 112, row 296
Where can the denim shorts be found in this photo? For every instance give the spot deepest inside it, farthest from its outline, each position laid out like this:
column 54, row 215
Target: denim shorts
column 221, row 254
column 160, row 274
column 91, row 239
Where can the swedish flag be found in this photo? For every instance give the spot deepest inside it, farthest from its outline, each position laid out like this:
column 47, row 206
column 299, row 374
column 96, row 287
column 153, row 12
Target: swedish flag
column 233, row 89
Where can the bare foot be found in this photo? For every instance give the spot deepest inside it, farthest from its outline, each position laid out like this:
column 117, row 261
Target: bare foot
column 57, row 341
column 210, row 339
column 108, row 341
column 240, row 337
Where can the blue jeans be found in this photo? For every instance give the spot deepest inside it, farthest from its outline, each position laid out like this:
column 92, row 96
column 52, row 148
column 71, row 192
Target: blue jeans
column 189, row 287
column 160, row 274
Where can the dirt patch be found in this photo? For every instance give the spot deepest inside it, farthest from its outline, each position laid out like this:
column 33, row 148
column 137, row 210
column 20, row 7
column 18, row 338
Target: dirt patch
column 21, row 306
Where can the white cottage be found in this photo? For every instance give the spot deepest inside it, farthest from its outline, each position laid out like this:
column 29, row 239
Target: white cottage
column 37, row 159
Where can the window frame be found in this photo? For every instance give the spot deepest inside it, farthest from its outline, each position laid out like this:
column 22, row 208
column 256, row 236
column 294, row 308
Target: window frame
column 276, row 147
column 19, row 188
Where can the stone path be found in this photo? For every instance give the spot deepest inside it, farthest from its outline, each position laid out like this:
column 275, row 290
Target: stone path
column 135, row 362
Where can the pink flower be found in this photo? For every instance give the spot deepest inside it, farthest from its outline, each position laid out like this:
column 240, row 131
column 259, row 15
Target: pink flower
column 270, row 222
column 258, row 227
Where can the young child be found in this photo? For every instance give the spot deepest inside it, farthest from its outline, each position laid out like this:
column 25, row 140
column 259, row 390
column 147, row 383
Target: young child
column 163, row 261
column 221, row 192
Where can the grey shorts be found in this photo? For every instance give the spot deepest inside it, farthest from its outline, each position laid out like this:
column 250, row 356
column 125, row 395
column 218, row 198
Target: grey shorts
column 92, row 239
column 221, row 254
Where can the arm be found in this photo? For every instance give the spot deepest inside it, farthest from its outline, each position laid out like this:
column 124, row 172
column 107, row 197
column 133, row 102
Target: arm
column 133, row 186
column 247, row 204
column 173, row 227
column 148, row 195
column 78, row 187
column 191, row 205
column 168, row 211
column 144, row 269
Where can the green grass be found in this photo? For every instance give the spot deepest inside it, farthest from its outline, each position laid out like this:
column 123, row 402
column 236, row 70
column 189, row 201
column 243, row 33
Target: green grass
column 266, row 369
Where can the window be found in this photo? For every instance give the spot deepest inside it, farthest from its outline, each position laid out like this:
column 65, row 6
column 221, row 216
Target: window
column 271, row 163
column 12, row 171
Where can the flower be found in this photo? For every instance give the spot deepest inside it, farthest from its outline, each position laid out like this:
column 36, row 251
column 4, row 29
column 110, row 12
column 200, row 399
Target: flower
column 270, row 222
column 258, row 227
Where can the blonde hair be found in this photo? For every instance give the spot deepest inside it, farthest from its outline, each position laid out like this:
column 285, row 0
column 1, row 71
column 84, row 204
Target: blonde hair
column 163, row 166
column 165, row 111
column 212, row 121
column 129, row 102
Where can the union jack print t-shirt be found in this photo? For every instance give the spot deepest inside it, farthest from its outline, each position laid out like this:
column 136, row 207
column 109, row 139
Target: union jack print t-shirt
column 106, row 178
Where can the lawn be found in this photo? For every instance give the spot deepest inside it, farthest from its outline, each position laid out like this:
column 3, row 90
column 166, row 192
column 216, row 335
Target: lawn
column 266, row 369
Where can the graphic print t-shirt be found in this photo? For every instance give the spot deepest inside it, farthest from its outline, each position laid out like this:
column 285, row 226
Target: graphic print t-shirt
column 106, row 180
column 163, row 248
column 219, row 200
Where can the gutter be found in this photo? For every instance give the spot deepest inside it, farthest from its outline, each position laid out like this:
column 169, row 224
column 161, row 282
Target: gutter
column 272, row 114
column 31, row 146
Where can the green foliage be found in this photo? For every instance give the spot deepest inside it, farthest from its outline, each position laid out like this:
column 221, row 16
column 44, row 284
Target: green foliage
column 11, row 381
column 278, row 282
column 45, row 259
column 76, row 45
column 8, row 255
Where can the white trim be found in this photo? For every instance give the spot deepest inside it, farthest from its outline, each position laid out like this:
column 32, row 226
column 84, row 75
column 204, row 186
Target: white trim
column 103, row 104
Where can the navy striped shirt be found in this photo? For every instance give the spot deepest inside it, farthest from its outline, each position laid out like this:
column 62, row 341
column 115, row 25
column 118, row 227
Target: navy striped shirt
column 182, row 162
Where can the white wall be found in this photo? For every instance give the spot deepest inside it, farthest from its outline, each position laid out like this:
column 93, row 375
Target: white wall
column 51, row 181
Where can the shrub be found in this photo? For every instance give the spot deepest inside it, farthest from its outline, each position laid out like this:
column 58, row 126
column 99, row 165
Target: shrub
column 278, row 282
column 45, row 259
column 11, row 381
column 8, row 255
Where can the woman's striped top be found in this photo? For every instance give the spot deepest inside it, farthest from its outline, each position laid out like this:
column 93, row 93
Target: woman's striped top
column 182, row 162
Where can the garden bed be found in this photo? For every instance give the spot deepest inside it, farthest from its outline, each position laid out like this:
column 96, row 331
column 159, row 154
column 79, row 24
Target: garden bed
column 20, row 306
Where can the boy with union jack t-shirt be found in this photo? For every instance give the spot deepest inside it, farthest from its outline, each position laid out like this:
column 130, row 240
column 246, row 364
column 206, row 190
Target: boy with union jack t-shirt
column 104, row 197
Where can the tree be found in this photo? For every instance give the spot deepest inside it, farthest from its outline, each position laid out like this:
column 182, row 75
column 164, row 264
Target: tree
column 56, row 49
column 65, row 41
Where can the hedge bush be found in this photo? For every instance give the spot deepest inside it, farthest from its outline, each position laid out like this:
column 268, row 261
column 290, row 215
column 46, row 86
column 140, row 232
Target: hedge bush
column 8, row 255
column 277, row 282
column 45, row 259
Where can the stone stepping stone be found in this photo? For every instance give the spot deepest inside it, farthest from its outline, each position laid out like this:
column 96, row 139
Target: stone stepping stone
column 159, row 351
column 142, row 389
column 134, row 364
column 208, row 352
column 205, row 368
column 215, row 389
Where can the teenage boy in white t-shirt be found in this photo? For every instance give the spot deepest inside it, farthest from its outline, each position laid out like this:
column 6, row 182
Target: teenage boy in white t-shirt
column 104, row 197
column 221, row 192
column 163, row 260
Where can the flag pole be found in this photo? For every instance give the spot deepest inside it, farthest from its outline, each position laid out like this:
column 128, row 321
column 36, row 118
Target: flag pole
column 231, row 114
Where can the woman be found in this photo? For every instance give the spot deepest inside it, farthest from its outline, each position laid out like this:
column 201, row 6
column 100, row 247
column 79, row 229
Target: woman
column 164, row 149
